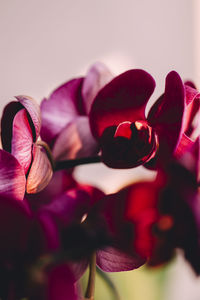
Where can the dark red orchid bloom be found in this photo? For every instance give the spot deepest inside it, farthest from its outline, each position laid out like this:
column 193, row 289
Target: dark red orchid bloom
column 126, row 136
column 65, row 125
column 152, row 219
column 20, row 129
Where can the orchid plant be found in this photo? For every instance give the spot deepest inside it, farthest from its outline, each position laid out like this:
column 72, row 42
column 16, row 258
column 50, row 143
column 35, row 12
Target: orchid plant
column 52, row 227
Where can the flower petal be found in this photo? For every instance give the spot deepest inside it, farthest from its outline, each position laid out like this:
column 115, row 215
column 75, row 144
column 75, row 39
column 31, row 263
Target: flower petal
column 22, row 139
column 114, row 260
column 122, row 99
column 40, row 173
column 61, row 284
column 9, row 113
column 69, row 207
column 59, row 184
column 75, row 141
column 97, row 76
column 33, row 109
column 62, row 106
column 14, row 229
column 191, row 93
column 12, row 176
column 166, row 116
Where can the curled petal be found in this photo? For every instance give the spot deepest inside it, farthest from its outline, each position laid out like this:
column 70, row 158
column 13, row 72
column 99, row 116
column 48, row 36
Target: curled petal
column 122, row 99
column 75, row 141
column 12, row 176
column 40, row 173
column 184, row 146
column 22, row 139
column 63, row 105
column 166, row 115
column 113, row 260
column 9, row 113
column 191, row 93
column 33, row 109
column 97, row 76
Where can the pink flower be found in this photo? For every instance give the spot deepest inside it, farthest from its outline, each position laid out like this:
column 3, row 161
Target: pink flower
column 65, row 125
column 20, row 129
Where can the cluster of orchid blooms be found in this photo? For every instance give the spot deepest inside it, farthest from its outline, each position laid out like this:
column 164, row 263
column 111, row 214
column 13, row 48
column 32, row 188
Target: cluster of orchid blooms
column 53, row 227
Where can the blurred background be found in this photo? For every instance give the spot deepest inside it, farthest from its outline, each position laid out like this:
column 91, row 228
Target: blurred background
column 44, row 43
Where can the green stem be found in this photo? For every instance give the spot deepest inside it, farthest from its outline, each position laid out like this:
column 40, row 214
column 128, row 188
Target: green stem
column 110, row 283
column 67, row 164
column 89, row 295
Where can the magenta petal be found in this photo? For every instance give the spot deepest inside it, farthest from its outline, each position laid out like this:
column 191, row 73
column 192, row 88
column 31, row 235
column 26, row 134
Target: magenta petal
column 75, row 141
column 22, row 139
column 69, row 207
column 122, row 99
column 41, row 171
column 61, row 284
column 33, row 109
column 9, row 113
column 114, row 260
column 166, row 115
column 97, row 76
column 191, row 93
column 12, row 176
column 184, row 145
column 62, row 106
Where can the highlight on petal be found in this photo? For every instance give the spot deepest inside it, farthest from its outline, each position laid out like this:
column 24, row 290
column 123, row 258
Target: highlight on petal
column 166, row 115
column 22, row 139
column 192, row 112
column 33, row 109
column 75, row 141
column 40, row 173
column 97, row 77
column 12, row 176
column 63, row 105
column 113, row 260
column 191, row 93
column 122, row 99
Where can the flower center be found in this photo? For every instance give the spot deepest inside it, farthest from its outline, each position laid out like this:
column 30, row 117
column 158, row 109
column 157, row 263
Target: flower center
column 129, row 145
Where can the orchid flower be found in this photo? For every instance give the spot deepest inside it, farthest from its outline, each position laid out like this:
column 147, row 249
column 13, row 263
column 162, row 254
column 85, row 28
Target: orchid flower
column 65, row 125
column 127, row 137
column 20, row 129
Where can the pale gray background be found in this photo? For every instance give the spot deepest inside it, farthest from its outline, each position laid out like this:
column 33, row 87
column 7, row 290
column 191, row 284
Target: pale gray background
column 44, row 43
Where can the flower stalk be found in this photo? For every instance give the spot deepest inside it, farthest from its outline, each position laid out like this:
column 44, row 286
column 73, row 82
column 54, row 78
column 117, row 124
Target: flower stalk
column 89, row 295
column 67, row 164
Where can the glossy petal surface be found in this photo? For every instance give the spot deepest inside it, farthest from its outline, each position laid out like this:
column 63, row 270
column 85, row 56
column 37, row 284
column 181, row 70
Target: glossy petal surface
column 63, row 105
column 166, row 116
column 12, row 176
column 22, row 139
column 8, row 115
column 122, row 99
column 75, row 141
column 97, row 76
column 33, row 109
column 41, row 171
